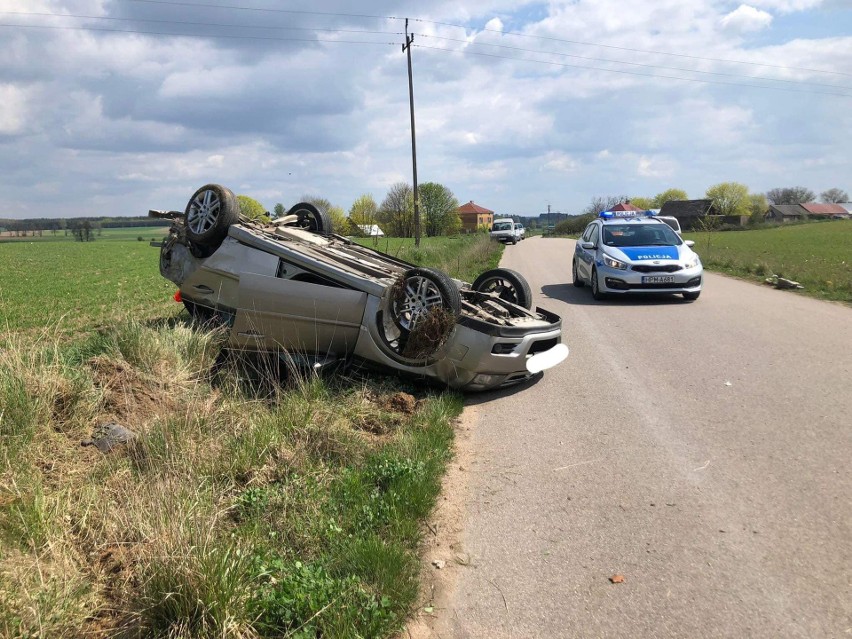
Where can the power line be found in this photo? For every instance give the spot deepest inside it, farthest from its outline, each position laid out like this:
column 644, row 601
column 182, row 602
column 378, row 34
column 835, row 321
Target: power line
column 624, row 72
column 192, row 35
column 610, row 46
column 635, row 64
column 200, row 24
column 205, row 5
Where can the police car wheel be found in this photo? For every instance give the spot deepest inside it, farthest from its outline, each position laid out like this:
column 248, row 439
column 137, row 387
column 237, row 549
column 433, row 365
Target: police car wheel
column 596, row 289
column 577, row 281
column 691, row 297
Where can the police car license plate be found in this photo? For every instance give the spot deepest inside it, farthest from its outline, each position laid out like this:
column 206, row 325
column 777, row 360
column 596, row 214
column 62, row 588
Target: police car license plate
column 658, row 279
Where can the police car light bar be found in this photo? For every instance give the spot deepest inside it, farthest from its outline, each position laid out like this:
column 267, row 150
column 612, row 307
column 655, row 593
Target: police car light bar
column 613, row 214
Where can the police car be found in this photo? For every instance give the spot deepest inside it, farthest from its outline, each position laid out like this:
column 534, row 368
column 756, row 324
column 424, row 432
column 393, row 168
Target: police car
column 632, row 252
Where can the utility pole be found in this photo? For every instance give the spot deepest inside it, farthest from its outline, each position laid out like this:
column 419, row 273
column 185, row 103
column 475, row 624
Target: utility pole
column 548, row 218
column 407, row 49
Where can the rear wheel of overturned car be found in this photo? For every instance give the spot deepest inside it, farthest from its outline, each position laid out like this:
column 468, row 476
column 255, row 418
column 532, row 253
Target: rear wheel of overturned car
column 311, row 218
column 209, row 213
column 596, row 287
column 419, row 292
column 577, row 281
column 507, row 284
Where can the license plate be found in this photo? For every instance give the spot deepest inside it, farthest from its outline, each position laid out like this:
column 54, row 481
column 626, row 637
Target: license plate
column 658, row 279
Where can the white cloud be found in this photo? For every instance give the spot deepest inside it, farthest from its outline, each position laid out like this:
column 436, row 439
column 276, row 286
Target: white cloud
column 746, row 18
column 14, row 110
column 559, row 162
column 788, row 6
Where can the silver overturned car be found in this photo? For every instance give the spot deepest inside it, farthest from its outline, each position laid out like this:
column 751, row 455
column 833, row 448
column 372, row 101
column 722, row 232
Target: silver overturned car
column 294, row 287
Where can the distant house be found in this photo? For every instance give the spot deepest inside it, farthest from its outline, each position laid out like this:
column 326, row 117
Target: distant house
column 625, row 206
column 689, row 212
column 820, row 211
column 370, row 230
column 806, row 211
column 786, row 212
column 474, row 217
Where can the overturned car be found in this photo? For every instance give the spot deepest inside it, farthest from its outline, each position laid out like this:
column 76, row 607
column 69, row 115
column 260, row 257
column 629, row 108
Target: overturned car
column 294, row 287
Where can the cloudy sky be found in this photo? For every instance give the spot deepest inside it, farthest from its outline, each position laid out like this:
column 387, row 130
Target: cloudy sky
column 112, row 107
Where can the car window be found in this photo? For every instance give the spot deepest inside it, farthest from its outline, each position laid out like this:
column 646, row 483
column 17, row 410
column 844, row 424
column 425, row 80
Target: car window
column 587, row 233
column 640, row 235
column 593, row 238
column 502, row 226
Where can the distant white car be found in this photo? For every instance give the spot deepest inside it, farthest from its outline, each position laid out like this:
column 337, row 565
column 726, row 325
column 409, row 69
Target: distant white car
column 504, row 230
column 671, row 221
column 519, row 228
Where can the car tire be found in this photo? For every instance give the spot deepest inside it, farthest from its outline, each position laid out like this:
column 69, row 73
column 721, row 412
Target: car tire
column 514, row 241
column 311, row 218
column 209, row 213
column 507, row 284
column 420, row 290
column 577, row 281
column 596, row 287
column 691, row 297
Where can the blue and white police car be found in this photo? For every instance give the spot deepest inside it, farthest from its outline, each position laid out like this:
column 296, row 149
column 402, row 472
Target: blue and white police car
column 632, row 252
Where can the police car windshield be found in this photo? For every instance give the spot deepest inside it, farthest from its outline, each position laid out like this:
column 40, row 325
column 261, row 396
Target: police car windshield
column 639, row 235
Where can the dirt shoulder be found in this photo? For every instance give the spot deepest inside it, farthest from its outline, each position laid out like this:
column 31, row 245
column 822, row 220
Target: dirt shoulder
column 442, row 543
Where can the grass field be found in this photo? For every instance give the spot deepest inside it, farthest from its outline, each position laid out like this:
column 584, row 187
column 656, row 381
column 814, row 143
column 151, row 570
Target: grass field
column 76, row 285
column 148, row 233
column 252, row 502
column 463, row 257
column 817, row 255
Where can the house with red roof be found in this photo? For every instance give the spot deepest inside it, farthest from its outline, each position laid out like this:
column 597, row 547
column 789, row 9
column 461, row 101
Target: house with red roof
column 474, row 217
column 625, row 206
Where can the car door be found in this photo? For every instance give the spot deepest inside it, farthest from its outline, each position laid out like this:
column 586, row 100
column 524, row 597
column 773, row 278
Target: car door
column 301, row 317
column 586, row 257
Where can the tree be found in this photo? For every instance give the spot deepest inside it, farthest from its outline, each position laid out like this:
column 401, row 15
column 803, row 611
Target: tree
column 729, row 198
column 339, row 222
column 757, row 206
column 668, row 195
column 252, row 209
column 438, row 206
column 643, row 202
column 278, row 211
column 790, row 195
column 397, row 211
column 834, row 196
column 604, row 203
column 364, row 211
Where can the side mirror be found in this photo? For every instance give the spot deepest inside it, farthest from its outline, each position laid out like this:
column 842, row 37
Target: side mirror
column 588, row 245
column 689, row 243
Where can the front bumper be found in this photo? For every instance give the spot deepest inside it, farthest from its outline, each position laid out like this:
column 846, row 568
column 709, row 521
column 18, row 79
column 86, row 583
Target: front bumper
column 612, row 280
column 477, row 356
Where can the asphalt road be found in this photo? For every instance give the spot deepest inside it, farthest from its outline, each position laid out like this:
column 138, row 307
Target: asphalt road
column 700, row 450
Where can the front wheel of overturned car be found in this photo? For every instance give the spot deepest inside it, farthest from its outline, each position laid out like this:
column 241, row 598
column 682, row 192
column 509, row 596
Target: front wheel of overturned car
column 209, row 213
column 507, row 284
column 596, row 287
column 691, row 297
column 577, row 281
column 311, row 218
column 418, row 292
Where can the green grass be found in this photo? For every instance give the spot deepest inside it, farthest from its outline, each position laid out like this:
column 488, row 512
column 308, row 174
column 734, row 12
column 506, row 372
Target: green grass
column 463, row 256
column 248, row 506
column 817, row 255
column 148, row 233
column 72, row 285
